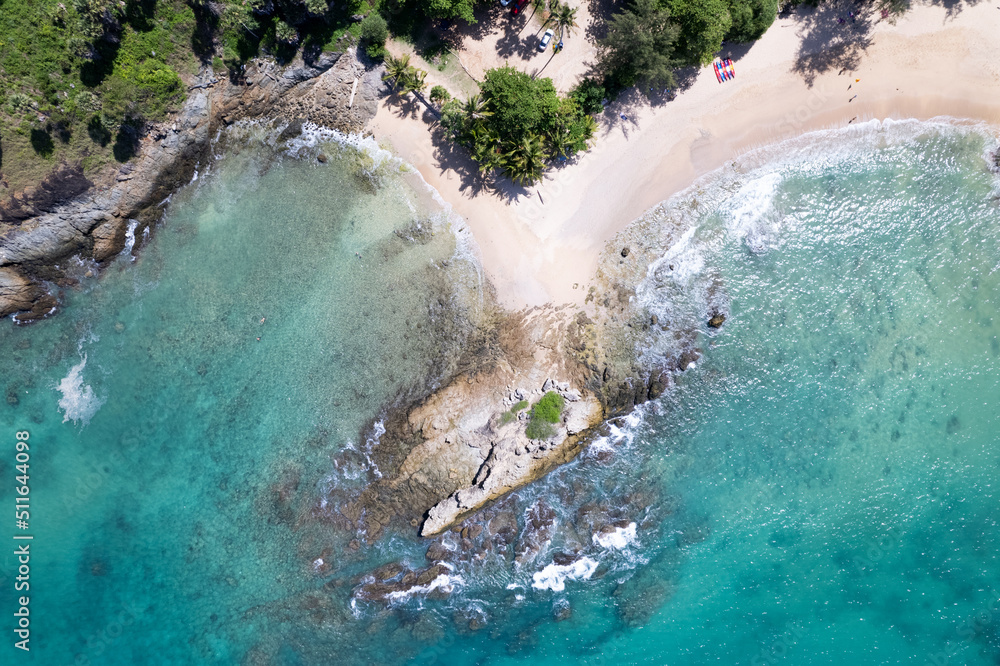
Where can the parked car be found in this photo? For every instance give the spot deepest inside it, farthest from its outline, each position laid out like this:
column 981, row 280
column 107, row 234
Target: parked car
column 504, row 2
column 546, row 38
column 518, row 4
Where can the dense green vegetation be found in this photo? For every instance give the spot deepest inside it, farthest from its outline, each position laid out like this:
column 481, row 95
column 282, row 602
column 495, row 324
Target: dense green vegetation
column 439, row 9
column 517, row 124
column 648, row 39
column 80, row 77
column 374, row 32
column 544, row 414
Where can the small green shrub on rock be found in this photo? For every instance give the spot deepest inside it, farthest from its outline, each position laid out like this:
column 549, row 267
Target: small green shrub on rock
column 507, row 417
column 544, row 414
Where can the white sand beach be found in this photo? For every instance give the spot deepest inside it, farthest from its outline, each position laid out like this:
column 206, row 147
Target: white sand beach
column 808, row 72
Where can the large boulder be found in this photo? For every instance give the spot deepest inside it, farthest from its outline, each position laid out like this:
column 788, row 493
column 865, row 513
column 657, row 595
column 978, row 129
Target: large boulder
column 17, row 293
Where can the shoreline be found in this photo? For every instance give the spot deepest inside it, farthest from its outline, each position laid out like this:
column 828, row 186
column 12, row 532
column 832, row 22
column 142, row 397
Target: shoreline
column 547, row 239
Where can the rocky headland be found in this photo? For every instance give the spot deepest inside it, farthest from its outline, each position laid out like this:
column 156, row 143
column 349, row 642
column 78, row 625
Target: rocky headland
column 67, row 215
column 461, row 448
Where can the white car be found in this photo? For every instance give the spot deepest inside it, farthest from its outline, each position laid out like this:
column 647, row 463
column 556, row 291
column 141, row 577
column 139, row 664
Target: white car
column 546, row 38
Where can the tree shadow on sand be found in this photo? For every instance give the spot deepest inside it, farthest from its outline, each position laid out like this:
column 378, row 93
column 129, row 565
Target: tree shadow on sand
column 835, row 35
column 487, row 16
column 601, row 12
column 452, row 156
column 448, row 155
column 517, row 39
column 952, row 7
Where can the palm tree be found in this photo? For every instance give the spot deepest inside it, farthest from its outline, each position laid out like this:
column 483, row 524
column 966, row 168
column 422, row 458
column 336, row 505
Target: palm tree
column 485, row 148
column 561, row 17
column 566, row 138
column 475, row 108
column 414, row 80
column 525, row 163
column 396, row 69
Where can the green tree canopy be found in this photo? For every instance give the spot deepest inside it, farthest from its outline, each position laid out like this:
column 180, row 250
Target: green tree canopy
column 444, row 9
column 517, row 124
column 639, row 45
column 374, row 29
column 520, row 106
column 751, row 18
column 704, row 24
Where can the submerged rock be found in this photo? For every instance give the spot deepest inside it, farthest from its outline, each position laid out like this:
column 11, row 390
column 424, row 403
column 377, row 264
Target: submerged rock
column 388, row 571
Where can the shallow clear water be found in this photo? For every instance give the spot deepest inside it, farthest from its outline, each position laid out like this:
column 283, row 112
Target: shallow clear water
column 819, row 489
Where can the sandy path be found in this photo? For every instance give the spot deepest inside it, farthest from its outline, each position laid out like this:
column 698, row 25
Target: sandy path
column 542, row 245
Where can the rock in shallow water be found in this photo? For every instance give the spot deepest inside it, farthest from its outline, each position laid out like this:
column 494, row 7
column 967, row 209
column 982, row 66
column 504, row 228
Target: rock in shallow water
column 717, row 320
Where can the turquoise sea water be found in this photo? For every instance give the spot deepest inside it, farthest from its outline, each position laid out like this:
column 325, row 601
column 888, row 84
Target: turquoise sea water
column 819, row 489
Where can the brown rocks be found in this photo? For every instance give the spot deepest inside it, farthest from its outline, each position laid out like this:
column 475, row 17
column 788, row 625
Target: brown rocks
column 387, row 571
column 687, row 358
column 17, row 292
column 540, row 523
column 503, row 527
column 437, row 552
column 60, row 185
column 109, row 240
column 716, row 320
column 430, row 573
column 403, row 582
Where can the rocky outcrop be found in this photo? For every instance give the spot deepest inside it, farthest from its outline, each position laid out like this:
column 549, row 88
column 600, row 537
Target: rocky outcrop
column 17, row 290
column 461, row 447
column 318, row 92
column 42, row 228
column 62, row 184
column 512, row 460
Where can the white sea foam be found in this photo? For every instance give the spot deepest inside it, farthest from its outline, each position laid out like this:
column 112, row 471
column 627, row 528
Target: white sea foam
column 130, row 239
column 377, row 431
column 79, row 403
column 617, row 539
column 748, row 211
column 554, row 576
column 444, row 582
